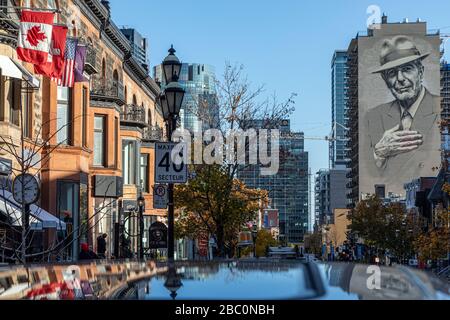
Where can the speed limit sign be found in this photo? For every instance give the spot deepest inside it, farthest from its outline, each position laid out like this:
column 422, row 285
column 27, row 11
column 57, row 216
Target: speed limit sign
column 170, row 167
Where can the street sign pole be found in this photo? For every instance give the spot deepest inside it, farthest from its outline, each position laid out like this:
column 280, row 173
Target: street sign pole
column 168, row 172
column 171, row 227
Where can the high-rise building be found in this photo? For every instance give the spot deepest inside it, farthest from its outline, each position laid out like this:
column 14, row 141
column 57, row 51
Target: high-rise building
column 199, row 82
column 382, row 65
column 288, row 189
column 139, row 46
column 330, row 194
column 338, row 145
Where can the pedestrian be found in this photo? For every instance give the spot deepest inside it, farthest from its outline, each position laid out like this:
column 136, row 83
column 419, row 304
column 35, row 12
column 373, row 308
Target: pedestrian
column 86, row 253
column 101, row 246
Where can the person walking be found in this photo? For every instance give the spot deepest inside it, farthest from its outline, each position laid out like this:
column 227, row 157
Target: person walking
column 86, row 253
column 101, row 246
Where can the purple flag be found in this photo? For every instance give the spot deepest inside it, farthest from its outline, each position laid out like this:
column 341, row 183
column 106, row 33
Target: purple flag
column 80, row 60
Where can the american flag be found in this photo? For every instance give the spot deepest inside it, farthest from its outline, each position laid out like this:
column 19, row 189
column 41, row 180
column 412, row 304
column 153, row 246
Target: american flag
column 68, row 75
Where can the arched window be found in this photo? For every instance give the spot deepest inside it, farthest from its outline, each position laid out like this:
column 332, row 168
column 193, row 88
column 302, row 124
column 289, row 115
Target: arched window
column 126, row 95
column 149, row 117
column 103, row 72
column 134, row 100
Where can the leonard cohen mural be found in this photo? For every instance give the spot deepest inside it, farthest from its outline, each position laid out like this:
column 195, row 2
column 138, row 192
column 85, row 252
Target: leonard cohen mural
column 399, row 103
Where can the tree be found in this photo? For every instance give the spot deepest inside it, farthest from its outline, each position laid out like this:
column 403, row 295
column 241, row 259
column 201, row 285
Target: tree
column 224, row 203
column 264, row 240
column 212, row 203
column 313, row 243
column 435, row 244
column 385, row 227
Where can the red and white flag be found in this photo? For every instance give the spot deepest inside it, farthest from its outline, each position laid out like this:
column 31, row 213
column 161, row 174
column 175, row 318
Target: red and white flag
column 55, row 62
column 35, row 36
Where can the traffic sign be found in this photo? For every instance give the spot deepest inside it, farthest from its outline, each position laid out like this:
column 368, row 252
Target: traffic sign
column 170, row 168
column 160, row 196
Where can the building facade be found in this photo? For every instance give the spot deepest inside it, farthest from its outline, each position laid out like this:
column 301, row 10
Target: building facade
column 139, row 46
column 330, row 194
column 99, row 153
column 338, row 145
column 200, row 99
column 288, row 189
column 374, row 108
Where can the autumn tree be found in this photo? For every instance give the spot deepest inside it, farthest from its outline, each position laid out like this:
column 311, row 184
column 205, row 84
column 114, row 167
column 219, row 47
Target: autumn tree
column 435, row 244
column 213, row 203
column 386, row 227
column 313, row 243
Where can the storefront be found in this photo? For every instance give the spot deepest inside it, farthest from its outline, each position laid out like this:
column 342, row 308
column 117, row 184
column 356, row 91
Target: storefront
column 72, row 204
column 106, row 210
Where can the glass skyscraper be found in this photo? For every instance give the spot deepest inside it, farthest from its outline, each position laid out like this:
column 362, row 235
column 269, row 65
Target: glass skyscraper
column 199, row 82
column 288, row 190
column 139, row 45
column 338, row 146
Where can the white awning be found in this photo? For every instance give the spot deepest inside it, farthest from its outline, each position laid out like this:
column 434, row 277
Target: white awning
column 40, row 219
column 9, row 68
column 13, row 69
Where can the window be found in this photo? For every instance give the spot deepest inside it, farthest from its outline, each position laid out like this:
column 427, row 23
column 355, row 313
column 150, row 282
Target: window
column 72, row 208
column 134, row 100
column 27, row 110
column 129, row 162
column 84, row 117
column 116, row 142
column 4, row 3
column 14, row 96
column 144, row 173
column 99, row 141
column 149, row 117
column 103, row 72
column 64, row 116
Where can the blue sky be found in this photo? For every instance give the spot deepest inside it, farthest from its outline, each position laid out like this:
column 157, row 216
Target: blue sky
column 287, row 45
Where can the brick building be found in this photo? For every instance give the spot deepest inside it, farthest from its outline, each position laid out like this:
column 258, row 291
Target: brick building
column 101, row 132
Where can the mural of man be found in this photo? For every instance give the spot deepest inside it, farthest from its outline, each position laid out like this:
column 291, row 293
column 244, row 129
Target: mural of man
column 401, row 133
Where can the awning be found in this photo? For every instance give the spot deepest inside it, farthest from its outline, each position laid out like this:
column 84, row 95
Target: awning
column 9, row 68
column 40, row 219
column 13, row 69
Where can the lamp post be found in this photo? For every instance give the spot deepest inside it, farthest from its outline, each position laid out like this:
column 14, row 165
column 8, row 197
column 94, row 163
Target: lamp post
column 255, row 238
column 171, row 101
column 173, row 281
column 141, row 205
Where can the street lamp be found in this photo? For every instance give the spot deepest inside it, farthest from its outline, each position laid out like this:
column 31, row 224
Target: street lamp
column 171, row 66
column 171, row 101
column 173, row 281
column 255, row 237
column 141, row 205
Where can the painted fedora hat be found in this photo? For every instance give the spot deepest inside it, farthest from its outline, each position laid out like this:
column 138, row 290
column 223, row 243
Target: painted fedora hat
column 398, row 51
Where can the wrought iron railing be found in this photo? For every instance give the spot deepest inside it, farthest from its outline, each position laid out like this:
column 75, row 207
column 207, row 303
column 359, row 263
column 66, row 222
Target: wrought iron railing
column 91, row 61
column 103, row 88
column 133, row 113
column 153, row 133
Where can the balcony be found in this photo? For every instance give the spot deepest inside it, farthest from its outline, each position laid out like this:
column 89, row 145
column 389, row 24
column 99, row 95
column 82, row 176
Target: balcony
column 108, row 92
column 91, row 61
column 153, row 134
column 132, row 115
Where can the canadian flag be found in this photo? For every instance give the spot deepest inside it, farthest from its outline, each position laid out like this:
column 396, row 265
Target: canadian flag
column 35, row 36
column 55, row 62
